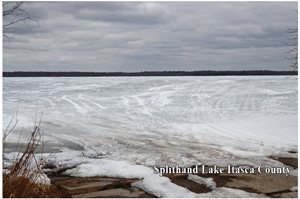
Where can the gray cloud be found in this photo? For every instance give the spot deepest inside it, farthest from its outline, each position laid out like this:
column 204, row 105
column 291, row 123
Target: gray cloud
column 140, row 36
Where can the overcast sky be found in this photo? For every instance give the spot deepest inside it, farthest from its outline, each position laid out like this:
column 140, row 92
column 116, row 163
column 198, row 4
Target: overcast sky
column 151, row 36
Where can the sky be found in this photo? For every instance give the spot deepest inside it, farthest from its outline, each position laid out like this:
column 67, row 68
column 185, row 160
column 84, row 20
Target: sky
column 124, row 36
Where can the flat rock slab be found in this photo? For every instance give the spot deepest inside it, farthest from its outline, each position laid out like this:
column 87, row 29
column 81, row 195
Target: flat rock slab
column 116, row 193
column 293, row 162
column 88, row 187
column 100, row 184
column 272, row 185
column 262, row 183
column 287, row 195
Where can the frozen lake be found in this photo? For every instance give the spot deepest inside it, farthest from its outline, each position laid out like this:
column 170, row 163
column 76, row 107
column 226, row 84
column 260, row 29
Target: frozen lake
column 160, row 120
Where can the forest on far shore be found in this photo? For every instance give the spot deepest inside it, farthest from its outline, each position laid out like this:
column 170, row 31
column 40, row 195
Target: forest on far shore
column 147, row 73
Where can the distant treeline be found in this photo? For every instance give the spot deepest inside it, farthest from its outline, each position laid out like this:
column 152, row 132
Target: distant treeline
column 148, row 73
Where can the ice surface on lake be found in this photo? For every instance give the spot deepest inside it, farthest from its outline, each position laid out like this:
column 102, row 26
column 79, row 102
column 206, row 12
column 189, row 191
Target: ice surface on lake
column 161, row 120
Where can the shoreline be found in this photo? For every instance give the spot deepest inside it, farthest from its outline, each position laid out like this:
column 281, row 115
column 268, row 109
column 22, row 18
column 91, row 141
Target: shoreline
column 270, row 185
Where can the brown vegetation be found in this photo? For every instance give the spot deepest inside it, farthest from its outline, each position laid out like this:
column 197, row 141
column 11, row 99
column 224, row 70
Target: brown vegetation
column 24, row 177
column 21, row 187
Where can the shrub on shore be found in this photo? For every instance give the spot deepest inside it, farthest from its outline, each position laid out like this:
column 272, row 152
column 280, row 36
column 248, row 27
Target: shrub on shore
column 24, row 177
column 21, row 187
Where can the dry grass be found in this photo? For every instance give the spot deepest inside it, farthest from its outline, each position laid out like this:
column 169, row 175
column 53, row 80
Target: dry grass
column 20, row 187
column 24, row 178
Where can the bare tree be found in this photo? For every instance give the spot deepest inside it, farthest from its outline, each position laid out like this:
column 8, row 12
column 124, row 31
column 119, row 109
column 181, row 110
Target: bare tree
column 13, row 15
column 293, row 50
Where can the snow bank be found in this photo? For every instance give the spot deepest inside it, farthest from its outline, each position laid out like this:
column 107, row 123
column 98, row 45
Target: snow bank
column 209, row 182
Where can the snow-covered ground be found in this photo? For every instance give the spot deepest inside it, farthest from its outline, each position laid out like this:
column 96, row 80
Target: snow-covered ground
column 147, row 121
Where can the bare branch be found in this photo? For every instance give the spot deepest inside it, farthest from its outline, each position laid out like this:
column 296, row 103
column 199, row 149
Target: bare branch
column 294, row 49
column 18, row 15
